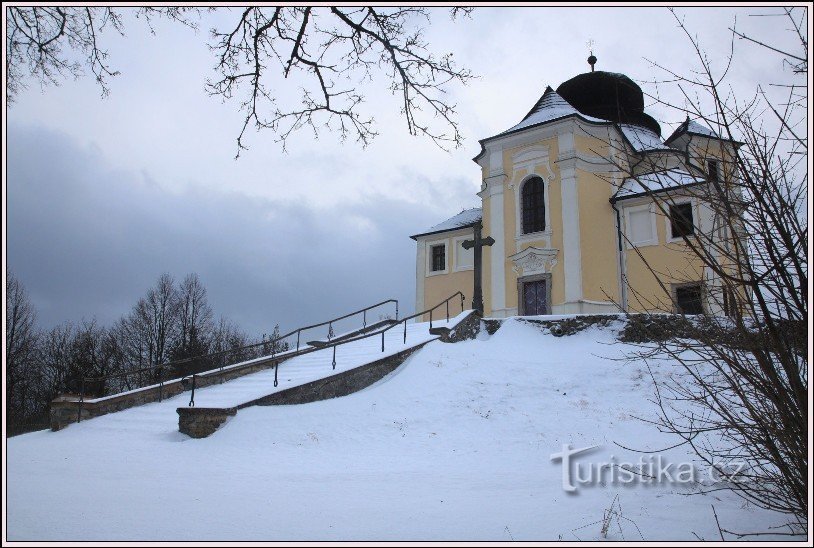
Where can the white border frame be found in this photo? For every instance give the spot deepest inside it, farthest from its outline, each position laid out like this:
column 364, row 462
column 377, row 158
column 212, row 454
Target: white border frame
column 668, row 229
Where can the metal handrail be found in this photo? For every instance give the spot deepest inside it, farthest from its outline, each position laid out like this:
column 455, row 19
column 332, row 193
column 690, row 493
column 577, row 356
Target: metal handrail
column 333, row 345
column 159, row 368
column 388, row 328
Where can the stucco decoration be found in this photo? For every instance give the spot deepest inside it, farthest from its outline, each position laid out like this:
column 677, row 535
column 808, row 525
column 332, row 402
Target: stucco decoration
column 534, row 260
column 529, row 159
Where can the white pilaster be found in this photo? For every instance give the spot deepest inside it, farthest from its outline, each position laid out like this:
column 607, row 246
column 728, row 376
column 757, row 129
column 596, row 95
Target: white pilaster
column 497, row 230
column 572, row 255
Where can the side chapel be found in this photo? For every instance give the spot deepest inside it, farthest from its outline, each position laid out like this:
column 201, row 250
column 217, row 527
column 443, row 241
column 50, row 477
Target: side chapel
column 568, row 196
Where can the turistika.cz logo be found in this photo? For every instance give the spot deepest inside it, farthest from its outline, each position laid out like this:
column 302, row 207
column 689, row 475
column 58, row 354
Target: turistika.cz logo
column 649, row 469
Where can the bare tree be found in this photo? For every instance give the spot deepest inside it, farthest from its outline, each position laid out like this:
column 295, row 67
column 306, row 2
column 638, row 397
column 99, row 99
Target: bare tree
column 21, row 347
column 740, row 396
column 194, row 319
column 332, row 50
column 146, row 333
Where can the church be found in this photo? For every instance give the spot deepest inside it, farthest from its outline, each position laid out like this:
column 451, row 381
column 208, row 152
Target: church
column 586, row 208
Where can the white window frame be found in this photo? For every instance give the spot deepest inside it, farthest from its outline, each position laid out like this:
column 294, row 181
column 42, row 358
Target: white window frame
column 654, row 235
column 668, row 228
column 430, row 245
column 455, row 242
column 544, row 234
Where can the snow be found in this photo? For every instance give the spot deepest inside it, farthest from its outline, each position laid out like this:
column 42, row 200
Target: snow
column 466, row 217
column 695, row 127
column 453, row 445
column 550, row 107
column 317, row 365
column 642, row 139
column 655, row 182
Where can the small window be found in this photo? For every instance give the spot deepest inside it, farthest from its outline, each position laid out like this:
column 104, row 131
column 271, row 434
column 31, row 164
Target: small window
column 688, row 299
column 730, row 304
column 712, row 170
column 533, row 201
column 439, row 258
column 681, row 222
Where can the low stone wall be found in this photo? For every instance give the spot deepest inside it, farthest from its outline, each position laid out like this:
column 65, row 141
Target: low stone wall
column 342, row 384
column 466, row 329
column 201, row 422
column 65, row 409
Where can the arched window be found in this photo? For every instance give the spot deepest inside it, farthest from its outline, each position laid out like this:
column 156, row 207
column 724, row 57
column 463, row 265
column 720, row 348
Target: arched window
column 533, row 206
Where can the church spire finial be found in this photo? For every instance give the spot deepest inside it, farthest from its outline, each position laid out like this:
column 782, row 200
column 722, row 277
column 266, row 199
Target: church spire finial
column 592, row 57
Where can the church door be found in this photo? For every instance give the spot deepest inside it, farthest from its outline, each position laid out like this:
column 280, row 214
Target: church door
column 535, row 298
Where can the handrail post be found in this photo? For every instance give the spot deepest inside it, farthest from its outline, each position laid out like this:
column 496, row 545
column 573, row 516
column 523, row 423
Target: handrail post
column 160, row 385
column 397, row 310
column 382, row 341
column 298, row 340
column 192, row 395
column 364, row 319
column 447, row 303
column 81, row 399
column 330, row 330
column 430, row 318
column 462, row 302
column 333, row 364
column 276, row 366
column 405, row 332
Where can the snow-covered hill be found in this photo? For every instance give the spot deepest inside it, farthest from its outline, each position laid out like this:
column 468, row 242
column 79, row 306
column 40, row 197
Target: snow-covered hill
column 456, row 444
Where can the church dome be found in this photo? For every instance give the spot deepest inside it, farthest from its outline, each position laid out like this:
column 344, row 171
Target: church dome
column 609, row 96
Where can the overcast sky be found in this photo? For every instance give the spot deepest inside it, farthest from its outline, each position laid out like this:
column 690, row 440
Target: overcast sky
column 104, row 195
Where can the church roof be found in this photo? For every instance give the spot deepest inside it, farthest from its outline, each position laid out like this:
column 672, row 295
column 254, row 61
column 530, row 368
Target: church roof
column 642, row 139
column 466, row 218
column 662, row 181
column 691, row 127
column 550, row 106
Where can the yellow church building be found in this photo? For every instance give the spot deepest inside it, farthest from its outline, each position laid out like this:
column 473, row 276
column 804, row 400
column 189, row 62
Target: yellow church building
column 580, row 196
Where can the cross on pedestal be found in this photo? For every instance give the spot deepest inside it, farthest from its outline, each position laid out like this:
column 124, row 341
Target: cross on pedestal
column 477, row 244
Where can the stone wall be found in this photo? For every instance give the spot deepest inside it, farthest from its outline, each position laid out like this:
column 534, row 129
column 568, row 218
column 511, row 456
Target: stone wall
column 65, row 409
column 200, row 422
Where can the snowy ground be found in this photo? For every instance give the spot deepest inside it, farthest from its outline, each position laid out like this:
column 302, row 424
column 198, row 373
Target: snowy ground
column 454, row 445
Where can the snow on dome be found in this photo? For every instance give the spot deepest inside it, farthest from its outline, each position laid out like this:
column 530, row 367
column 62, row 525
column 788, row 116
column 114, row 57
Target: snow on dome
column 655, row 182
column 642, row 139
column 467, row 217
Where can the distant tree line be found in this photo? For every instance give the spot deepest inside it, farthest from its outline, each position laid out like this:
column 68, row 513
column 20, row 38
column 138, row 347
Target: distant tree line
column 171, row 331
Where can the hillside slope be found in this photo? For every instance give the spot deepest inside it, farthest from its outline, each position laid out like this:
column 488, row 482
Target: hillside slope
column 454, row 445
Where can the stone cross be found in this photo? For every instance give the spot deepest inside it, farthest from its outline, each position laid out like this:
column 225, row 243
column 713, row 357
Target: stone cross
column 478, row 243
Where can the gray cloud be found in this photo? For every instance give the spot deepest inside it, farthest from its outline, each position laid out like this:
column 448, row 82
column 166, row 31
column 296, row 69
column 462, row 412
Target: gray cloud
column 88, row 240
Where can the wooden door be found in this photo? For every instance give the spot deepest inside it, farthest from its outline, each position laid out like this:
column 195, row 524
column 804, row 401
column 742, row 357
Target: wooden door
column 535, row 298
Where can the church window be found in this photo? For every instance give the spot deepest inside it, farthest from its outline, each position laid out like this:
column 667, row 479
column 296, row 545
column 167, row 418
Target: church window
column 681, row 222
column 533, row 202
column 439, row 258
column 688, row 299
column 712, row 170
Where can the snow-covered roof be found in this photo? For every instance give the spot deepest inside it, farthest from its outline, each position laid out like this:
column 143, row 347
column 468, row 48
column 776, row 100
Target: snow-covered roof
column 467, row 217
column 655, row 182
column 693, row 128
column 551, row 106
column 642, row 139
